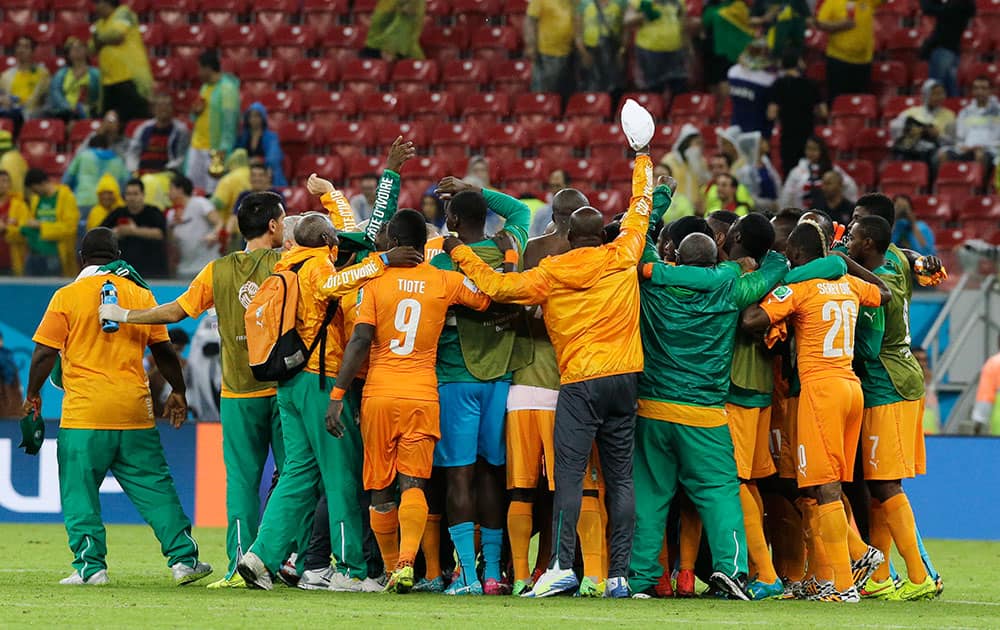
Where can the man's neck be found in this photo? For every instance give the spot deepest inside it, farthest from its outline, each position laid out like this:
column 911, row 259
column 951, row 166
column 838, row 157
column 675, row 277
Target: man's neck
column 27, row 66
column 471, row 236
column 873, row 261
column 261, row 242
column 163, row 124
column 135, row 211
column 983, row 103
column 833, row 201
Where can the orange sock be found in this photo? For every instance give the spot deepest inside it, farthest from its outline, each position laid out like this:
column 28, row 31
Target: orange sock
column 591, row 535
column 753, row 522
column 832, row 521
column 430, row 544
column 385, row 526
column 855, row 544
column 690, row 537
column 519, row 528
column 903, row 526
column 819, row 562
column 412, row 519
column 881, row 539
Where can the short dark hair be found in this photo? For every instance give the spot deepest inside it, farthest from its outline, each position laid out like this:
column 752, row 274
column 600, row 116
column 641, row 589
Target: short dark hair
column 808, row 237
column 99, row 141
column 684, row 226
column 790, row 215
column 34, row 177
column 756, row 234
column 983, row 77
column 182, row 182
column 732, row 179
column 408, row 227
column 564, row 172
column 790, row 59
column 877, row 229
column 4, row 173
column 260, row 166
column 899, row 196
column 99, row 243
column 257, row 210
column 470, row 207
column 723, row 216
column 210, row 59
column 135, row 181
column 879, row 205
column 729, row 160
column 27, row 37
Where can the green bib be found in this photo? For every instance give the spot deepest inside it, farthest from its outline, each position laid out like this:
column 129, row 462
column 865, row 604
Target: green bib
column 235, row 280
column 543, row 371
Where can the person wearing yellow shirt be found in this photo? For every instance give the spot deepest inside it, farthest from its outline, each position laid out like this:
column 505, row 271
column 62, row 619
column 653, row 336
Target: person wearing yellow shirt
column 232, row 184
column 13, row 162
column 109, row 199
column 43, row 234
column 11, row 204
column 121, row 57
column 26, row 83
column 107, row 414
column 851, row 46
column 660, row 44
column 548, row 42
column 216, row 118
column 600, row 43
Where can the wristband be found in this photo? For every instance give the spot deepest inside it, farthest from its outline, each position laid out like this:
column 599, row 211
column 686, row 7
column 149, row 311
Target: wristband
column 337, row 393
column 647, row 271
column 510, row 256
column 385, row 258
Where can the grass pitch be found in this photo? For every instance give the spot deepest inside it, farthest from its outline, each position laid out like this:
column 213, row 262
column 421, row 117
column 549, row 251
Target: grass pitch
column 35, row 557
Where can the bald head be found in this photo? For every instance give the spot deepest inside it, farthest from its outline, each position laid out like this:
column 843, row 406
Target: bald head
column 586, row 228
column 697, row 250
column 315, row 230
column 566, row 202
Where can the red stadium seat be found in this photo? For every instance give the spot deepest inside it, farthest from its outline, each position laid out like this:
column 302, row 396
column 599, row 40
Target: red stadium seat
column 272, row 14
column 863, row 173
column 241, row 41
column 297, row 137
column 365, row 75
column 872, row 145
column 312, row 75
column 505, row 143
column 21, row 15
column 980, row 212
column 270, row 70
column 178, row 12
column 343, row 38
column 889, row 77
column 904, row 45
column 187, row 41
column 55, row 165
column 323, row 14
column 439, row 9
column 451, row 142
column 251, row 91
column 837, row 140
column 80, row 129
column 537, row 108
column 298, row 200
column 694, row 108
column 153, row 34
column 71, row 17
column 989, row 12
column 50, row 130
column 218, row 13
column 494, row 42
column 555, row 142
column 605, row 143
column 967, row 73
column 37, row 153
column 853, row 112
column 444, row 43
column 609, row 202
column 897, row 105
column 651, row 101
column 932, row 209
column 906, row 178
column 350, row 139
column 486, row 109
column 343, row 104
column 44, row 33
column 282, row 104
column 414, row 75
column 979, row 39
column 465, row 75
column 429, row 108
column 380, row 107
column 326, row 166
column 168, row 70
column 901, row 8
column 476, row 12
column 424, row 171
column 588, row 172
column 620, row 174
column 524, row 171
column 663, row 139
column 290, row 42
column 589, row 107
column 513, row 77
column 958, row 181
column 410, row 131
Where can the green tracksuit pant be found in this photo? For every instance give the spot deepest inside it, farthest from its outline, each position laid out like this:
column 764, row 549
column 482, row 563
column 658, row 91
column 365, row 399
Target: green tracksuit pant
column 250, row 427
column 136, row 458
column 701, row 460
column 315, row 462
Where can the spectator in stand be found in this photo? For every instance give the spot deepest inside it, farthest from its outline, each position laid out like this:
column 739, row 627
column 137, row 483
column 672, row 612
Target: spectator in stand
column 725, row 198
column 109, row 199
column 194, row 229
column 943, row 47
column 260, row 181
column 75, row 91
column 750, row 83
column 722, row 164
column 758, row 175
column 110, row 130
column 680, row 206
column 12, row 162
column 216, row 121
column 850, row 47
column 558, row 179
column 158, row 147
column 908, row 231
column 142, row 232
column 121, row 57
column 977, row 130
column 87, row 168
column 784, row 24
column 726, row 32
column 600, row 44
column 661, row 44
column 795, row 103
column 831, row 199
column 262, row 143
column 686, row 161
column 44, row 236
column 11, row 205
column 395, row 30
column 938, row 119
column 361, row 203
column 803, row 182
column 26, row 83
column 433, row 211
column 548, row 43
column 478, row 171
column 917, row 142
column 986, row 412
column 232, row 184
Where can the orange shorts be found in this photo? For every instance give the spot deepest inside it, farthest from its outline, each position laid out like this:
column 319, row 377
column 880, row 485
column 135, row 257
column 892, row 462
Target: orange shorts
column 399, row 437
column 892, row 441
column 750, row 429
column 829, row 425
column 785, row 438
column 530, row 447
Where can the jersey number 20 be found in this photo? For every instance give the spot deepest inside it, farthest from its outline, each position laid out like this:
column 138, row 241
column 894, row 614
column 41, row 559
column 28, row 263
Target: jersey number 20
column 844, row 316
column 407, row 320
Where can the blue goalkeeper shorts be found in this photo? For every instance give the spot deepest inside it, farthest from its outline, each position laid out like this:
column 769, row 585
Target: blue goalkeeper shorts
column 472, row 423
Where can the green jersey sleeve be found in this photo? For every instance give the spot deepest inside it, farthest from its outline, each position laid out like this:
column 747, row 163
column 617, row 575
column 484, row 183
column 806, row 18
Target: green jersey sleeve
column 869, row 332
column 828, row 268
column 692, row 278
column 751, row 287
column 662, row 198
column 384, row 208
column 517, row 216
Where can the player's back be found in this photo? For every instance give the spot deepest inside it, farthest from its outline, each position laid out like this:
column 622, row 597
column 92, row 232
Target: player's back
column 407, row 307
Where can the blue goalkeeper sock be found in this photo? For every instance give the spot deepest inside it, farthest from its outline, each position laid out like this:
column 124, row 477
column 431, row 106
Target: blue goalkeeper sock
column 931, row 571
column 463, row 535
column 492, row 542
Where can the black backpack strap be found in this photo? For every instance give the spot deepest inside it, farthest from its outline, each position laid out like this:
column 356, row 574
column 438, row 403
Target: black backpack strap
column 320, row 340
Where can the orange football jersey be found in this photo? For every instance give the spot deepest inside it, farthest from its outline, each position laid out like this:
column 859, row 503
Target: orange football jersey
column 407, row 307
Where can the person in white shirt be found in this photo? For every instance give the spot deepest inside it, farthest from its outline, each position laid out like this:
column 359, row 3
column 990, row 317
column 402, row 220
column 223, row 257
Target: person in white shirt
column 977, row 131
column 194, row 228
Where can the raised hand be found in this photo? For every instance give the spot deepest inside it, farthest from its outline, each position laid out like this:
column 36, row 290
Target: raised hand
column 318, row 186
column 452, row 186
column 399, row 153
column 404, row 257
column 669, row 181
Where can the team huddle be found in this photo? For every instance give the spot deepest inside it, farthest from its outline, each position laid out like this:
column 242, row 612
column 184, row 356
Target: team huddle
column 622, row 390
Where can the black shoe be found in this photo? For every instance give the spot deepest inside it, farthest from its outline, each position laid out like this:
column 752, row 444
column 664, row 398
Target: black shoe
column 731, row 587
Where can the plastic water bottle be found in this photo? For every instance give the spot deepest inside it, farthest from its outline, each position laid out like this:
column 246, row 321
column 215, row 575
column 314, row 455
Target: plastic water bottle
column 109, row 295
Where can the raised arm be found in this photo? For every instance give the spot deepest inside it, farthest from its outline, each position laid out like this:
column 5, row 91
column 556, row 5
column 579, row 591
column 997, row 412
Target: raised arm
column 751, row 287
column 627, row 248
column 861, row 273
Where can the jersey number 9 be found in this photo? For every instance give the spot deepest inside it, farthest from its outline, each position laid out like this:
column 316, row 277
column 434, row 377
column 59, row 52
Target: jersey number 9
column 407, row 320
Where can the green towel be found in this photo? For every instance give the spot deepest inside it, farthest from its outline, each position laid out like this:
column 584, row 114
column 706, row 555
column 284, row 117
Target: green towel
column 32, row 433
